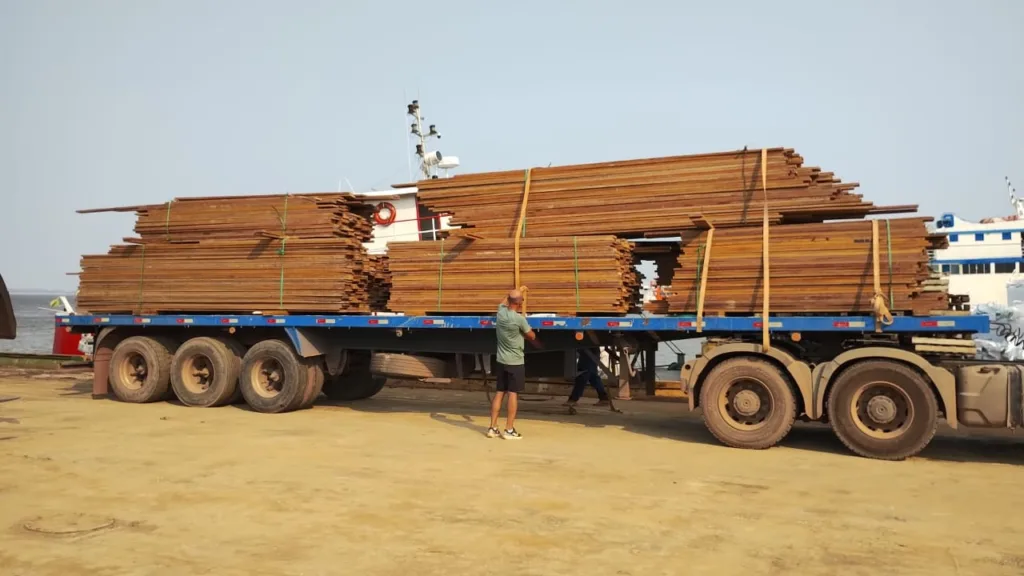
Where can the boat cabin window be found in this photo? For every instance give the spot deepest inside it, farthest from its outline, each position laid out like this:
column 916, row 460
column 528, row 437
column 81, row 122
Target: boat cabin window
column 428, row 221
column 976, row 268
column 950, row 269
column 954, row 237
column 980, row 237
column 1005, row 267
column 1007, row 235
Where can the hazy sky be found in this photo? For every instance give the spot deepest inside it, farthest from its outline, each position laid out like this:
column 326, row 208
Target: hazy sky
column 137, row 101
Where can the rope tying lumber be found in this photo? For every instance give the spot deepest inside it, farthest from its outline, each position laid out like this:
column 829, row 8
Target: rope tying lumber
column 766, row 286
column 520, row 230
column 280, row 252
column 440, row 277
column 883, row 317
column 888, row 244
column 704, row 279
column 142, row 278
column 576, row 271
column 167, row 220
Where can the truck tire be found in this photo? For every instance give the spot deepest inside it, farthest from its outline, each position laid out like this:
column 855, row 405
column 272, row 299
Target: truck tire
column 354, row 386
column 407, row 366
column 239, row 350
column 140, row 369
column 747, row 403
column 314, row 385
column 274, row 378
column 882, row 409
column 204, row 372
column 356, row 382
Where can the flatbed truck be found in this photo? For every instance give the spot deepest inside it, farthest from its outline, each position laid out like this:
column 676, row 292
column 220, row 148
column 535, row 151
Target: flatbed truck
column 882, row 390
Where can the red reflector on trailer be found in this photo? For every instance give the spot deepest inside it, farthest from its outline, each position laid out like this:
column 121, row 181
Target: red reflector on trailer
column 138, row 320
column 840, row 324
column 321, row 321
column 929, row 324
column 485, row 323
column 685, row 325
column 547, row 323
column 372, row 321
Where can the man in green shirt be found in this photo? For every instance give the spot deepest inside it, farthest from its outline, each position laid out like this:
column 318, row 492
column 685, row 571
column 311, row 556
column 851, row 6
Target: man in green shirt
column 511, row 328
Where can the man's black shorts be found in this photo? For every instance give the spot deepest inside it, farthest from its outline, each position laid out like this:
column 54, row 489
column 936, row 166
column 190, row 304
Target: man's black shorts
column 510, row 378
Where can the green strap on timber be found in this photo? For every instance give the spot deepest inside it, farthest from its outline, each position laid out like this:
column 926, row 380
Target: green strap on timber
column 440, row 277
column 280, row 284
column 167, row 221
column 280, row 252
column 576, row 270
column 888, row 248
column 142, row 278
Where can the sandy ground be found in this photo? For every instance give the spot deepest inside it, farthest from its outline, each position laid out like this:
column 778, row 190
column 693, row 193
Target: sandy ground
column 407, row 483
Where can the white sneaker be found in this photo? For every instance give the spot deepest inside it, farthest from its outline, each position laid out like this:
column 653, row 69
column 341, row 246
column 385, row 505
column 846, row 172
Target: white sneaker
column 493, row 432
column 511, row 435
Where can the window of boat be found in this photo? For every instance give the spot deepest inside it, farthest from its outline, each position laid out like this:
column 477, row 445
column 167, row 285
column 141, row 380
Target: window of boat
column 429, row 222
column 980, row 237
column 1006, row 267
column 1007, row 235
column 976, row 268
column 954, row 237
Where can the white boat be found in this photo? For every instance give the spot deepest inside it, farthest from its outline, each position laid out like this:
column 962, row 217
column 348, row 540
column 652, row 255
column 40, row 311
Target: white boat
column 399, row 217
column 985, row 258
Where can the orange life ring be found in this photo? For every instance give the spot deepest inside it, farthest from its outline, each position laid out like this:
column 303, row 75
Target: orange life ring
column 385, row 220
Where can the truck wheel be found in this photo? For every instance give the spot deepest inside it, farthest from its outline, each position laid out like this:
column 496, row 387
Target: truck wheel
column 314, row 385
column 747, row 403
column 407, row 366
column 274, row 379
column 354, row 386
column 140, row 369
column 204, row 372
column 882, row 409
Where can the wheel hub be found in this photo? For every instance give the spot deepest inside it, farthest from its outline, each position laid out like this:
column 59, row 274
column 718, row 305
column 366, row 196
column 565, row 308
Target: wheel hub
column 747, row 402
column 882, row 409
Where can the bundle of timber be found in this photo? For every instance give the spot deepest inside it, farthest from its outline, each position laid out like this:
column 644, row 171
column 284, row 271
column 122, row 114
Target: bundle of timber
column 378, row 282
column 294, row 215
column 814, row 268
column 565, row 275
column 652, row 197
column 270, row 254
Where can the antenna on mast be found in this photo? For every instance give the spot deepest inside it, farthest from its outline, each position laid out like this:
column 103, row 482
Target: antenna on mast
column 1017, row 203
column 430, row 161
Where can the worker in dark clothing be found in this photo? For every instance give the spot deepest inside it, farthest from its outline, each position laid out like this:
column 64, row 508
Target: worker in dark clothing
column 587, row 373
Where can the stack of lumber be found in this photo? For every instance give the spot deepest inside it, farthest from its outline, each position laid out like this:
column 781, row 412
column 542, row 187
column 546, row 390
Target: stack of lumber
column 293, row 215
column 270, row 254
column 814, row 268
column 378, row 282
column 651, row 197
column 566, row 275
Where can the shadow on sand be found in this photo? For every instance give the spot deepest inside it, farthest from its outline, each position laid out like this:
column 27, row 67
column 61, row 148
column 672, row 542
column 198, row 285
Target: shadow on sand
column 470, row 411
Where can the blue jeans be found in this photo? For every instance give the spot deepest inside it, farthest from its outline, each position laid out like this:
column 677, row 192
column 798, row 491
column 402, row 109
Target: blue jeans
column 590, row 375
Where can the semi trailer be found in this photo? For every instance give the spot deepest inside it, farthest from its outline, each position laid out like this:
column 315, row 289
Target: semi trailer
column 883, row 388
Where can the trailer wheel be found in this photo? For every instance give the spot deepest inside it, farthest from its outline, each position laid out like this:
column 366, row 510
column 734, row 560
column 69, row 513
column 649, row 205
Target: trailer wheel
column 357, row 382
column 354, row 386
column 315, row 378
column 274, row 379
column 140, row 369
column 883, row 409
column 747, row 403
column 204, row 372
